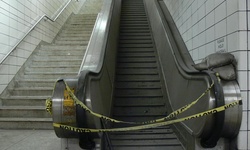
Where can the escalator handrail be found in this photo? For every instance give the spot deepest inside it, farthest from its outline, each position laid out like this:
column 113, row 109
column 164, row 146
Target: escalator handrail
column 97, row 44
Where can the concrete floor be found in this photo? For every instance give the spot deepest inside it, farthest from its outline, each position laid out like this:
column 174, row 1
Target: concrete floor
column 29, row 140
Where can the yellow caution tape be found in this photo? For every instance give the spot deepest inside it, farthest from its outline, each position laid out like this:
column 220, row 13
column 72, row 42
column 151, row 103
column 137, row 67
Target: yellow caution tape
column 48, row 104
column 147, row 126
column 170, row 116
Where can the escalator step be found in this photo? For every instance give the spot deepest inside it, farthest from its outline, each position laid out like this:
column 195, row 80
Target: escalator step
column 138, row 111
column 135, row 41
column 139, row 102
column 138, row 78
column 137, row 85
column 138, row 93
column 139, row 49
column 136, row 65
column 136, row 60
column 137, row 72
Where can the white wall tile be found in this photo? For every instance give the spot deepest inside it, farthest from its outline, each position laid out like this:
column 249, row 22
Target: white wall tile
column 209, row 6
column 244, row 121
column 244, row 100
column 242, row 4
column 248, row 97
column 196, row 42
column 189, row 45
column 210, row 19
column 242, row 79
column 4, row 39
column 4, row 69
column 243, row 40
column 4, row 79
column 220, row 12
column 220, row 29
column 248, row 61
column 233, row 43
column 202, row 25
column 210, row 48
column 195, row 30
column 2, row 87
column 232, row 23
column 232, row 6
column 202, row 39
column 202, row 52
column 248, row 140
column 242, row 21
column 201, row 11
column 248, row 114
column 195, row 18
column 242, row 140
column 4, row 29
column 218, row 2
column 210, row 34
column 195, row 55
column 241, row 58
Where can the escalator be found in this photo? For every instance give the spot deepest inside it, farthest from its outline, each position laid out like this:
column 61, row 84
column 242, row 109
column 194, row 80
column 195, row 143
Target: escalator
column 139, row 95
column 136, row 69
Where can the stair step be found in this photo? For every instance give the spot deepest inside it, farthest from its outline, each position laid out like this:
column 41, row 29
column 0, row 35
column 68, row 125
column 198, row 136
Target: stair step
column 23, row 111
column 24, row 100
column 76, row 27
column 48, row 75
column 23, row 107
column 61, row 52
column 62, row 47
column 57, row 62
column 57, row 57
column 26, row 123
column 75, row 32
column 31, row 91
column 35, row 83
column 65, row 38
column 63, row 42
column 52, row 69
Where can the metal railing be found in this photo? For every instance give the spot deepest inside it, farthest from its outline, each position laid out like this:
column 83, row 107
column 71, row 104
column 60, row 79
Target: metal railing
column 33, row 26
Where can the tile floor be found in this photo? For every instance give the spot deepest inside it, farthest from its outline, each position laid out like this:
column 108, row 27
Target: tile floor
column 29, row 140
column 37, row 140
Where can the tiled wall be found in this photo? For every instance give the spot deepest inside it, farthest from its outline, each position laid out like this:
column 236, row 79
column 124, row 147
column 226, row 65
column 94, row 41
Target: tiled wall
column 209, row 26
column 16, row 18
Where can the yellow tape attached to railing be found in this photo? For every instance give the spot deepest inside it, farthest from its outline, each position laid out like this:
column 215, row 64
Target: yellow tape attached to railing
column 170, row 116
column 143, row 125
column 147, row 126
